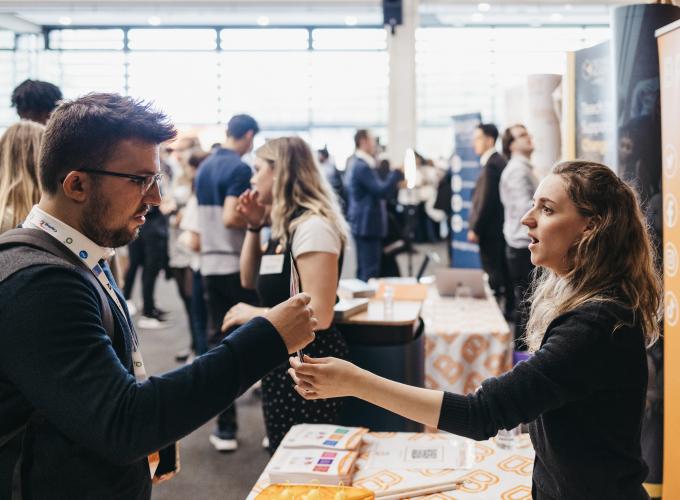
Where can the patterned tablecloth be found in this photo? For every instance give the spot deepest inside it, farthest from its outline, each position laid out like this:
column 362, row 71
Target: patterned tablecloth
column 496, row 474
column 466, row 341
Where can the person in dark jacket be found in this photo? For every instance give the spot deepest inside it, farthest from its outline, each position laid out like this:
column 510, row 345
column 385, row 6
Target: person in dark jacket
column 79, row 416
column 367, row 212
column 594, row 308
column 486, row 215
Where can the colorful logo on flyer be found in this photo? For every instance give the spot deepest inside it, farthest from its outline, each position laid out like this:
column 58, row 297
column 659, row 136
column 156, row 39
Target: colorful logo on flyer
column 46, row 225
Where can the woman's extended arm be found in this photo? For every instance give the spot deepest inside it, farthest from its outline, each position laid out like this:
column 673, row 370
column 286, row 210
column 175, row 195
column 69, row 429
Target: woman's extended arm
column 337, row 378
column 546, row 381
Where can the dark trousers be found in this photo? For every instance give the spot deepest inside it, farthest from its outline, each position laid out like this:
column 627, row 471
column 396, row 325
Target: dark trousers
column 519, row 269
column 222, row 292
column 369, row 253
column 199, row 315
column 149, row 251
column 494, row 263
column 194, row 305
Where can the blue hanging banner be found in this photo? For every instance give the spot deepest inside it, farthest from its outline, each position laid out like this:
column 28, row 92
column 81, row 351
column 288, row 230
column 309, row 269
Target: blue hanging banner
column 594, row 104
column 466, row 169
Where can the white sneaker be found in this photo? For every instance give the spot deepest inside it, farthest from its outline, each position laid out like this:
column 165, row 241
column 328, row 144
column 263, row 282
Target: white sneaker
column 132, row 308
column 150, row 323
column 222, row 444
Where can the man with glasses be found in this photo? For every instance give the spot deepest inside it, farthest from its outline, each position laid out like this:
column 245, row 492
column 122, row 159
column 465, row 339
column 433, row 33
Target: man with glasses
column 150, row 252
column 517, row 187
column 79, row 417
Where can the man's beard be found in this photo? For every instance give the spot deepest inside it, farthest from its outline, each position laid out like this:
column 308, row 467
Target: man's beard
column 94, row 227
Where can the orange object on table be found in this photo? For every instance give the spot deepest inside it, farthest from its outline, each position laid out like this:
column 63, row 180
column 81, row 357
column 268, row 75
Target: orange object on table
column 403, row 291
column 313, row 492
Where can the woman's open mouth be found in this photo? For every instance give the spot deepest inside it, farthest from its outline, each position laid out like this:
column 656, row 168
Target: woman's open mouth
column 533, row 243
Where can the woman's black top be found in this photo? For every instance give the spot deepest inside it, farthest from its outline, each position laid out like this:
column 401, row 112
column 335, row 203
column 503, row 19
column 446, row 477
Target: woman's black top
column 583, row 393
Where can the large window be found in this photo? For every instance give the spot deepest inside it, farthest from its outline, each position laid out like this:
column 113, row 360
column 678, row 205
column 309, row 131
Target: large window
column 463, row 70
column 321, row 82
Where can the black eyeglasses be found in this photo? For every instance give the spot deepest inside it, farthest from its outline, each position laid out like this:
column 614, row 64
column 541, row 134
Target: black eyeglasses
column 143, row 181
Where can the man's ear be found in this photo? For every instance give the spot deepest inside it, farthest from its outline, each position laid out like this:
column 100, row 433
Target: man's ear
column 76, row 186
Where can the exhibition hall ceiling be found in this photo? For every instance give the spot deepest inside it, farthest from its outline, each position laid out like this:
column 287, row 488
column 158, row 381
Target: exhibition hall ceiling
column 39, row 13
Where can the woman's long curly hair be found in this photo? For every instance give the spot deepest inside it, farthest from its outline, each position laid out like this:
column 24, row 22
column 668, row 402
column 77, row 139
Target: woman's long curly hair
column 614, row 262
column 299, row 186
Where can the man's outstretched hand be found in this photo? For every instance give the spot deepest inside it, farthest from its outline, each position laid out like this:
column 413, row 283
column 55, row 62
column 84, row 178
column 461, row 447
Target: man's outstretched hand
column 294, row 320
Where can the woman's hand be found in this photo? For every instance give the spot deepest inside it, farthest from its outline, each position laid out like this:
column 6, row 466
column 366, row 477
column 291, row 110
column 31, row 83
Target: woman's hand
column 240, row 314
column 321, row 378
column 250, row 209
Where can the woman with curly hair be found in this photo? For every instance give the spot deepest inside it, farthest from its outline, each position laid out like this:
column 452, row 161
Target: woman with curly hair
column 595, row 307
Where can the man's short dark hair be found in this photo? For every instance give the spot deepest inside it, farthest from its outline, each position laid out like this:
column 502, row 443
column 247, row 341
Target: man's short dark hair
column 84, row 133
column 489, row 130
column 508, row 139
column 240, row 125
column 33, row 98
column 359, row 136
column 323, row 152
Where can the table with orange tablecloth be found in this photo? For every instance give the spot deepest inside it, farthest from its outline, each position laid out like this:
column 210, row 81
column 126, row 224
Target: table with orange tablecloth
column 495, row 473
column 467, row 340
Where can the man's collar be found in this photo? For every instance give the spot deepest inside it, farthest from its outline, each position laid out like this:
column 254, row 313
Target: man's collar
column 486, row 155
column 520, row 157
column 363, row 155
column 74, row 240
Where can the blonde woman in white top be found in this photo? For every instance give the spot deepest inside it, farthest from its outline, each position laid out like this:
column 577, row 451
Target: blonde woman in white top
column 308, row 235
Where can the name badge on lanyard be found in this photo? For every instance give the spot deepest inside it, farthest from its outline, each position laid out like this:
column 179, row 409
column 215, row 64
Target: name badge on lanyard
column 272, row 264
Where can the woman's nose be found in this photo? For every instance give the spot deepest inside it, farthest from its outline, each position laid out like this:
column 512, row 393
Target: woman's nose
column 528, row 220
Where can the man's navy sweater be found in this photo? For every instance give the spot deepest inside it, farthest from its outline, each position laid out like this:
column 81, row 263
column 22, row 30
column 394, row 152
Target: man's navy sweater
column 93, row 424
column 584, row 394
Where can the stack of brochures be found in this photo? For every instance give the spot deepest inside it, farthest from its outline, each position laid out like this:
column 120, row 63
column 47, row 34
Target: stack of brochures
column 323, row 454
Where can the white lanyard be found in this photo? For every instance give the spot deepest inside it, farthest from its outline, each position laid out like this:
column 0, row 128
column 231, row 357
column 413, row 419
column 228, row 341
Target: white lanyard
column 72, row 239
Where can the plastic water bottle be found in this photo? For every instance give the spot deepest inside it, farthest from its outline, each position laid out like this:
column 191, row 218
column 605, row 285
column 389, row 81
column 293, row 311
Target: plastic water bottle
column 388, row 301
column 507, row 439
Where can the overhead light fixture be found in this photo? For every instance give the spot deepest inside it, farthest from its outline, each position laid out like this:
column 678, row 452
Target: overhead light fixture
column 484, row 7
column 154, row 21
column 568, row 6
column 477, row 17
column 263, row 21
column 351, row 21
column 64, row 20
column 556, row 17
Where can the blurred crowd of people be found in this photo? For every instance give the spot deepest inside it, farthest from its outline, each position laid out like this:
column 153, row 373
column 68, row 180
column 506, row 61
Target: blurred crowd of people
column 234, row 229
column 231, row 230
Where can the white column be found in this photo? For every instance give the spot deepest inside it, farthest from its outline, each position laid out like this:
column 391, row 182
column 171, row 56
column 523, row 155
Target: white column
column 401, row 127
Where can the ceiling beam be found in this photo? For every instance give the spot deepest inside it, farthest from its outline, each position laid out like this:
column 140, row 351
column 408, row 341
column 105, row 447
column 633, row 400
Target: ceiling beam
column 13, row 23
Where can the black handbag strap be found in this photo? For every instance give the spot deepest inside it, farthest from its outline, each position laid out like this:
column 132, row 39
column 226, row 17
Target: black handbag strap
column 52, row 252
column 40, row 240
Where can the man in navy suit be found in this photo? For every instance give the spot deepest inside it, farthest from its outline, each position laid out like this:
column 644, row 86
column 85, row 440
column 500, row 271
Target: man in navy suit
column 367, row 207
